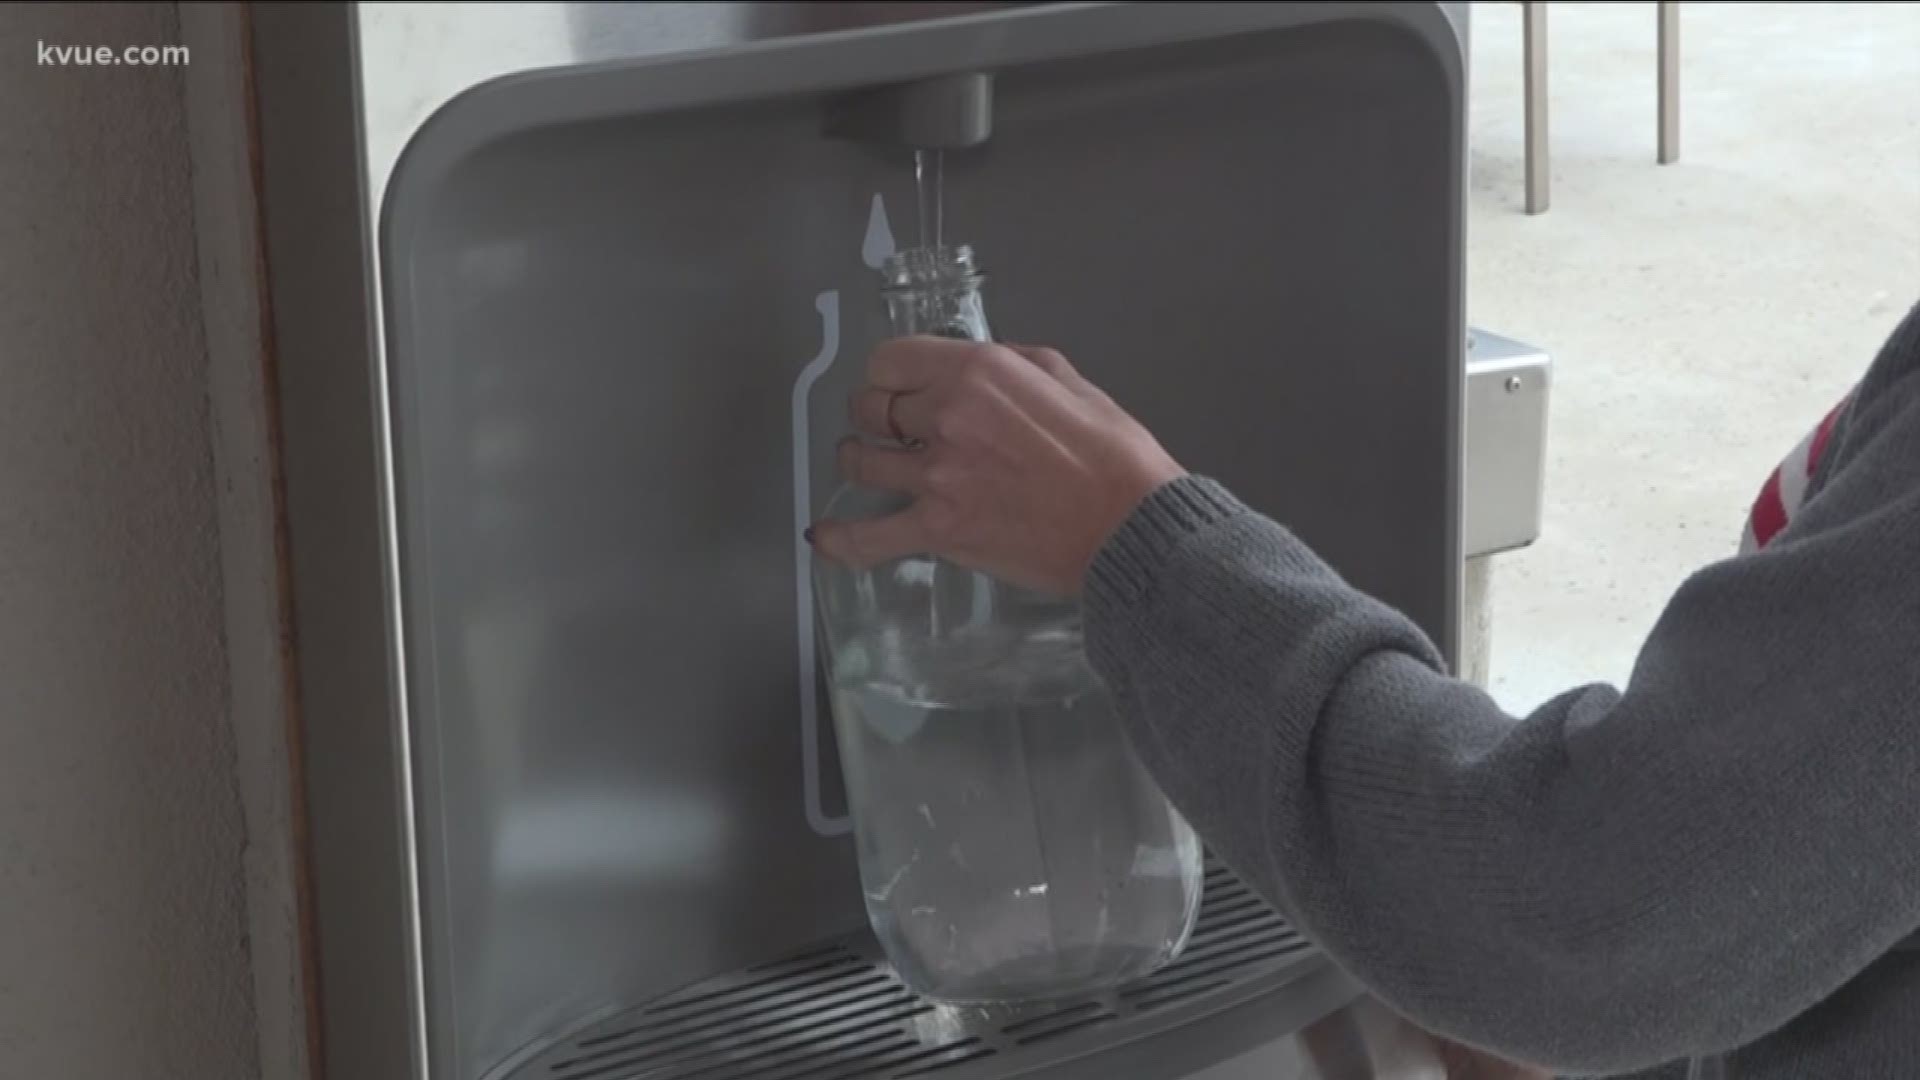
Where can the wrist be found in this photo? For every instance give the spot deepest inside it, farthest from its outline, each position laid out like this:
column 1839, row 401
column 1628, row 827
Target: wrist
column 1144, row 475
column 1172, row 506
column 1127, row 489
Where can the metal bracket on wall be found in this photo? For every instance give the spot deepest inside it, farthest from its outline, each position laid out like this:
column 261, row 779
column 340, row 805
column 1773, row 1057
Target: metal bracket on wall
column 1507, row 392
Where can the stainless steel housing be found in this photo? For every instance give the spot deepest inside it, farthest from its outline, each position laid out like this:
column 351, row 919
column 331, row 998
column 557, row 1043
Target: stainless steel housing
column 559, row 381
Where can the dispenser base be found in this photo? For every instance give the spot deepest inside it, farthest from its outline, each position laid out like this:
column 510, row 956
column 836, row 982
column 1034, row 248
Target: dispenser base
column 839, row 1012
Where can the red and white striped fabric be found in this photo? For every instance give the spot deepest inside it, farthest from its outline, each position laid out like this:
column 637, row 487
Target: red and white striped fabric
column 1784, row 492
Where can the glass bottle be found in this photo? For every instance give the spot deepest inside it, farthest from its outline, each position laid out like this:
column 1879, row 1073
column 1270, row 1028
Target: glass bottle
column 1011, row 846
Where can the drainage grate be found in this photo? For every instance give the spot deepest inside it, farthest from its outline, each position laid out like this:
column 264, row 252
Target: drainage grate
column 838, row 1012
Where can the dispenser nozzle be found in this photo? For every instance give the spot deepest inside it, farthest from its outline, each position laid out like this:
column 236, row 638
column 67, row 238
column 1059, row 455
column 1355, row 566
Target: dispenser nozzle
column 947, row 112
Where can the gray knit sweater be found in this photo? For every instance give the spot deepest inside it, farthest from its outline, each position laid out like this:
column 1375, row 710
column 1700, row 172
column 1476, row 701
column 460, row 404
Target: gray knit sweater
column 1718, row 861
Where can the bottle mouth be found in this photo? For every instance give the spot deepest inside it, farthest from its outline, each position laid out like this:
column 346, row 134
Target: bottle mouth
column 922, row 267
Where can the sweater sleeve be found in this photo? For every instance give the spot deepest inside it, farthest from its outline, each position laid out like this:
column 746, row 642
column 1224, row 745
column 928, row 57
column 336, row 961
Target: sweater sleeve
column 1622, row 878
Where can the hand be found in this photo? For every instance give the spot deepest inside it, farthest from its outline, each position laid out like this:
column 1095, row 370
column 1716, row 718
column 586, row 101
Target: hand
column 1016, row 465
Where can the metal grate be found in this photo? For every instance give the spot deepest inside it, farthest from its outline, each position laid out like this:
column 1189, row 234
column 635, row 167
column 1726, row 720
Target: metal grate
column 839, row 1013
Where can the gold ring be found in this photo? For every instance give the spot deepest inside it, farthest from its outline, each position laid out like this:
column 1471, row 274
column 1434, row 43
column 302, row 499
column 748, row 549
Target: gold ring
column 893, row 427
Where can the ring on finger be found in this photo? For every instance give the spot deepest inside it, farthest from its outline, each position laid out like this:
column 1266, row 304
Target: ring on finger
column 893, row 426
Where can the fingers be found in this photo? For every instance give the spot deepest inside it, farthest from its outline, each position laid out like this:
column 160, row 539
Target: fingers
column 884, row 414
column 881, row 468
column 872, row 412
column 905, row 365
column 904, row 379
column 1051, row 361
column 867, row 543
column 916, row 385
column 1056, row 365
column 909, row 365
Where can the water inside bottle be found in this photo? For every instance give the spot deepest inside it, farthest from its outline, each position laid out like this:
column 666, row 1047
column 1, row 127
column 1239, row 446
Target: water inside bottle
column 1011, row 846
column 1012, row 849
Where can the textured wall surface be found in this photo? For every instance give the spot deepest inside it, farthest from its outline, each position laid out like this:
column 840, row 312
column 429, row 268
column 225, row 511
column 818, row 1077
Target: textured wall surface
column 122, row 904
column 239, row 385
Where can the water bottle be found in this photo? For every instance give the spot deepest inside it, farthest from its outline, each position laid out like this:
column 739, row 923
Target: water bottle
column 1011, row 847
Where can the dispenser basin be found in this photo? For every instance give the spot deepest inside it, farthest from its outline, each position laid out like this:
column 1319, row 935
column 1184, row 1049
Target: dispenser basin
column 624, row 304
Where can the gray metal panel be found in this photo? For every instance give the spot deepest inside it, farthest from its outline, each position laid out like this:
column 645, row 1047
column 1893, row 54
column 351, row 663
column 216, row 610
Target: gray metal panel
column 318, row 266
column 601, row 286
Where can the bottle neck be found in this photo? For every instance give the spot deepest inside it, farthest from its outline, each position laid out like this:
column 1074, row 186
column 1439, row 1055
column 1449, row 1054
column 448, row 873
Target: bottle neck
column 935, row 291
column 930, row 268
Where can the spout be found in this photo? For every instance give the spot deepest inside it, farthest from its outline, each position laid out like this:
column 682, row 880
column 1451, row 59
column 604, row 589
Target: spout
column 947, row 112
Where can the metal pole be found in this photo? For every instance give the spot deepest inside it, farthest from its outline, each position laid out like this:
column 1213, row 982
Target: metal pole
column 1539, row 195
column 1669, row 82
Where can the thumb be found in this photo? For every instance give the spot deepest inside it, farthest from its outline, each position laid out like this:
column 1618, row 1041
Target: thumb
column 863, row 544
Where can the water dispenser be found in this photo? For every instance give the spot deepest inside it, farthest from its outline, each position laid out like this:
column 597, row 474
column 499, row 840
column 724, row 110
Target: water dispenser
column 621, row 285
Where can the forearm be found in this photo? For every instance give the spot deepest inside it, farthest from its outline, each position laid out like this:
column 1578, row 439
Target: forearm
column 1611, row 882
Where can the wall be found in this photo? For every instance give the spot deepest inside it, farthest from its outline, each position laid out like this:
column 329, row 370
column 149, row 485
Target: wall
column 124, row 928
column 243, row 389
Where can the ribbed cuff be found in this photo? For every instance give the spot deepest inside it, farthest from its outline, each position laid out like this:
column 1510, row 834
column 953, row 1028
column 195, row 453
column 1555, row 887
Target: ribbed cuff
column 1127, row 566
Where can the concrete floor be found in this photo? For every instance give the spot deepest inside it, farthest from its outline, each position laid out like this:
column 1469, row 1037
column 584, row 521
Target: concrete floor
column 1701, row 315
